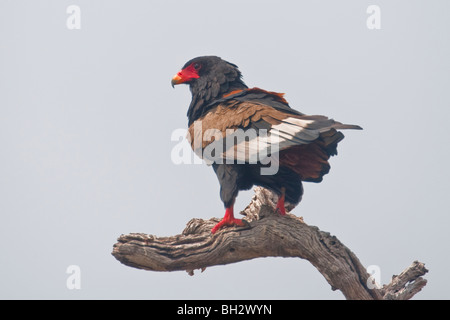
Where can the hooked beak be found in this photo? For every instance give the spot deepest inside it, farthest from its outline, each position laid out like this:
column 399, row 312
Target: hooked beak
column 185, row 75
column 177, row 79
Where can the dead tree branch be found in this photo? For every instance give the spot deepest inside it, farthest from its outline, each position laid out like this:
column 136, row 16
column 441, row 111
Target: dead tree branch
column 269, row 235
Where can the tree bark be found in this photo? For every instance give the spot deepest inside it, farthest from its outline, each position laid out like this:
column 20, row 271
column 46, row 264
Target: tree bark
column 267, row 235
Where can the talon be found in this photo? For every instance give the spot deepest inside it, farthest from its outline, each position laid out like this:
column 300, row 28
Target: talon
column 229, row 223
column 229, row 220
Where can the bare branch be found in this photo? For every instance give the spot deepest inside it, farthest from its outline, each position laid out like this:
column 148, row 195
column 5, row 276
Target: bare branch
column 268, row 235
column 406, row 284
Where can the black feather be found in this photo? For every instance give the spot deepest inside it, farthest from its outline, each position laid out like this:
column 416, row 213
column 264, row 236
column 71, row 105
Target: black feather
column 217, row 77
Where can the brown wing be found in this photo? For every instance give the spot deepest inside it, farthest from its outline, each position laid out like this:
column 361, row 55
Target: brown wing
column 304, row 142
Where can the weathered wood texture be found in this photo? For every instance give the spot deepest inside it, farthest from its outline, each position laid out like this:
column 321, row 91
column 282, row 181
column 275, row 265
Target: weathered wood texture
column 268, row 235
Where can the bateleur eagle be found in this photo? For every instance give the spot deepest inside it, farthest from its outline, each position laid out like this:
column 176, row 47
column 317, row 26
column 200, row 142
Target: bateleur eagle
column 224, row 109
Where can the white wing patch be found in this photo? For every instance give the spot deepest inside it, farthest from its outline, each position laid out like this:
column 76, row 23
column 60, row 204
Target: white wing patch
column 250, row 146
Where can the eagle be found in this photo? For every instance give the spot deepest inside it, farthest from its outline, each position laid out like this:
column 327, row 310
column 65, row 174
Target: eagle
column 251, row 136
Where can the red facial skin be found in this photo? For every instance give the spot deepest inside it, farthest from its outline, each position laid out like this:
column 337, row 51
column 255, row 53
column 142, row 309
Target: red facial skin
column 186, row 75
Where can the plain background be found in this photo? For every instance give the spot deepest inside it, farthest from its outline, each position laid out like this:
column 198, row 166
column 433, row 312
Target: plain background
column 86, row 118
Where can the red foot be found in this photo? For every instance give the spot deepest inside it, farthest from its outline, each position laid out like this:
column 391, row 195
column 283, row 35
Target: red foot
column 280, row 204
column 228, row 220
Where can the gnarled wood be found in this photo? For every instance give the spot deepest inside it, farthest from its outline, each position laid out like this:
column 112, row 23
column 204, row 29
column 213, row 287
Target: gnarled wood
column 268, row 235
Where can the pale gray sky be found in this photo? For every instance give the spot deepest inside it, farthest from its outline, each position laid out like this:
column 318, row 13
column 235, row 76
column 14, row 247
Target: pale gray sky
column 86, row 118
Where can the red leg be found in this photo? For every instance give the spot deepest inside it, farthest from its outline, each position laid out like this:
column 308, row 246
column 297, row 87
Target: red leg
column 228, row 220
column 280, row 204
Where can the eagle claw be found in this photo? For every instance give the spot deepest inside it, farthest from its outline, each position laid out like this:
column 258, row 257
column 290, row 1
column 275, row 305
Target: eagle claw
column 230, row 223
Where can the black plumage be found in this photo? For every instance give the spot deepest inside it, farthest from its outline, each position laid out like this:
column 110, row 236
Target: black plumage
column 262, row 127
column 217, row 77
